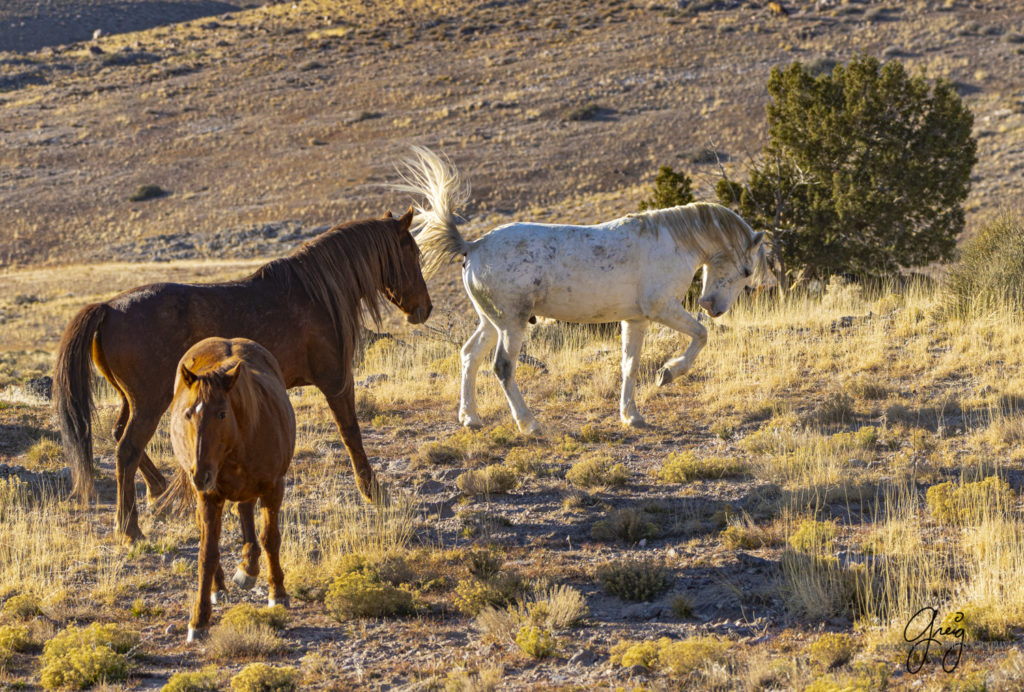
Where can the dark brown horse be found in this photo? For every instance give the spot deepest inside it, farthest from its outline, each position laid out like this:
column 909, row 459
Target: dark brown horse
column 306, row 309
column 233, row 433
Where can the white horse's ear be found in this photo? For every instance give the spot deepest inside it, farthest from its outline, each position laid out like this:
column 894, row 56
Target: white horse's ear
column 756, row 240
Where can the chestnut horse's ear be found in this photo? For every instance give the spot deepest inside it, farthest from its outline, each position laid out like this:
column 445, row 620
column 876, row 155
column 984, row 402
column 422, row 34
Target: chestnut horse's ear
column 231, row 376
column 389, row 215
column 187, row 376
column 406, row 221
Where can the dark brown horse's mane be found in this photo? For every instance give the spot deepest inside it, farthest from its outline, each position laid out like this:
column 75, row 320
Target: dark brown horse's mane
column 339, row 268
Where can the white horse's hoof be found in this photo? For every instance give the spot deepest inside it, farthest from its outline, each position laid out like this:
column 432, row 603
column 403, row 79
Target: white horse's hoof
column 218, row 596
column 664, row 377
column 194, row 634
column 471, row 421
column 243, row 580
column 634, row 421
column 286, row 602
column 529, row 427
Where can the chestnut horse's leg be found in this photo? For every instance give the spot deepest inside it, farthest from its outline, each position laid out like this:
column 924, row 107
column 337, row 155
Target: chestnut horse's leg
column 156, row 484
column 270, row 537
column 341, row 397
column 138, row 430
column 249, row 568
column 209, row 510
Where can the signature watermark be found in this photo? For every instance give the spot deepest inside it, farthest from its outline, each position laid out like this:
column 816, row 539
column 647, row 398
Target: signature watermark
column 921, row 633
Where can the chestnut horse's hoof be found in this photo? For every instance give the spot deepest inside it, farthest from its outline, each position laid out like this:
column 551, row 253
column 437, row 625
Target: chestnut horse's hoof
column 664, row 377
column 218, row 596
column 282, row 601
column 243, row 580
column 195, row 634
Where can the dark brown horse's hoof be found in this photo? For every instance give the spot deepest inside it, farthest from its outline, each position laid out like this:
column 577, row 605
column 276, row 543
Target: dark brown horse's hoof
column 243, row 580
column 196, row 633
column 218, row 597
column 664, row 377
column 282, row 601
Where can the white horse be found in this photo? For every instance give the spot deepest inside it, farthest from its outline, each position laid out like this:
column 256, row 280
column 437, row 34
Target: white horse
column 634, row 269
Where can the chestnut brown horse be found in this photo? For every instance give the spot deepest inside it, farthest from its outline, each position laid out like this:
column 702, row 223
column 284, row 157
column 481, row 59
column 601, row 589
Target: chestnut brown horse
column 306, row 309
column 233, row 433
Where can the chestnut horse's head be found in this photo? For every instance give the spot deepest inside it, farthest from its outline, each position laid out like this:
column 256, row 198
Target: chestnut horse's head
column 209, row 427
column 404, row 285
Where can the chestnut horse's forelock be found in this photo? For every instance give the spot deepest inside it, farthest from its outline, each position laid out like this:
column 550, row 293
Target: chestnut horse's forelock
column 348, row 263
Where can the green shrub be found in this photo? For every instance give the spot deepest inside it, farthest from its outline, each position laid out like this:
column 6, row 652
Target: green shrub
column 676, row 658
column 526, row 462
column 748, row 537
column 494, row 479
column 832, row 650
column 248, row 615
column 485, row 563
column 989, row 274
column 473, row 595
column 206, row 680
column 597, row 471
column 671, row 189
column 441, row 454
column 628, row 525
column 259, row 677
column 814, row 536
column 682, row 607
column 46, row 453
column 686, row 466
column 971, row 502
column 627, row 654
column 681, row 658
column 22, row 607
column 866, row 169
column 536, row 642
column 642, row 580
column 83, row 657
column 14, row 638
column 362, row 594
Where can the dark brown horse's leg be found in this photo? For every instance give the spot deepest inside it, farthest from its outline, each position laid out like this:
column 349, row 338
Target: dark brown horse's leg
column 343, row 406
column 138, row 430
column 156, row 484
column 249, row 568
column 210, row 511
column 270, row 537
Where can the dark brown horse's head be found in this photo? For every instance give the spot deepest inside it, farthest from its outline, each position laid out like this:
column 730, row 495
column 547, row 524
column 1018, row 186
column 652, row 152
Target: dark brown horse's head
column 208, row 427
column 404, row 285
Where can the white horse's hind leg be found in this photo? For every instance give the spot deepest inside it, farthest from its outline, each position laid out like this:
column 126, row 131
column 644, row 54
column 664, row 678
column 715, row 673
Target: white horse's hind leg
column 510, row 340
column 672, row 314
column 632, row 339
column 473, row 352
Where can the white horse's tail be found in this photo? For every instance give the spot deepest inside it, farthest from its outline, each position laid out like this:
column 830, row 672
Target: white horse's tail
column 435, row 178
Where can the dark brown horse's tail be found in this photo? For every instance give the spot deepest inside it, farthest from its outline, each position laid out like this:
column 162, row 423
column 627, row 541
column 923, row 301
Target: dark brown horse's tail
column 72, row 394
column 178, row 499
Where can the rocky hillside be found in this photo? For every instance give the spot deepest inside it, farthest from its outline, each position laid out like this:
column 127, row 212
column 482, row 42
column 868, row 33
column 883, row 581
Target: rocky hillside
column 297, row 112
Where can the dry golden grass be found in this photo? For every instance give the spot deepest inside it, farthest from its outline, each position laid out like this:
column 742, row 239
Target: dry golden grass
column 844, row 426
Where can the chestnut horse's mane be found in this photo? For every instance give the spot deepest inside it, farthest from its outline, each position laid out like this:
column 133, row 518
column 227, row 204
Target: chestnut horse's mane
column 339, row 268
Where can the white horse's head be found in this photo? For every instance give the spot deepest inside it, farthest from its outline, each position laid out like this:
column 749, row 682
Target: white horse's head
column 728, row 272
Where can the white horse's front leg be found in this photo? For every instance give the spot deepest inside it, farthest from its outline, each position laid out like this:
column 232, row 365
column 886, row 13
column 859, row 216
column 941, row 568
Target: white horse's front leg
column 632, row 339
column 510, row 340
column 672, row 314
column 473, row 352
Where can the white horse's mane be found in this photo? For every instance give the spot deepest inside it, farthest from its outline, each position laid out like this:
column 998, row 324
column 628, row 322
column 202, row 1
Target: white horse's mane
column 706, row 229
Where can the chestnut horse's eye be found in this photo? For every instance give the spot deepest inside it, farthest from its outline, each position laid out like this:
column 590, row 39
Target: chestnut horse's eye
column 188, row 414
column 222, row 415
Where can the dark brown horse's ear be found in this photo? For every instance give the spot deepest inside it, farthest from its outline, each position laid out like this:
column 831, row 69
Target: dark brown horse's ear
column 406, row 221
column 389, row 215
column 187, row 376
column 231, row 376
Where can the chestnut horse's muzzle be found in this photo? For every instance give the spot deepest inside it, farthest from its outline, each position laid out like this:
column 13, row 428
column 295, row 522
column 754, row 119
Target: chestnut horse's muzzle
column 203, row 481
column 419, row 315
